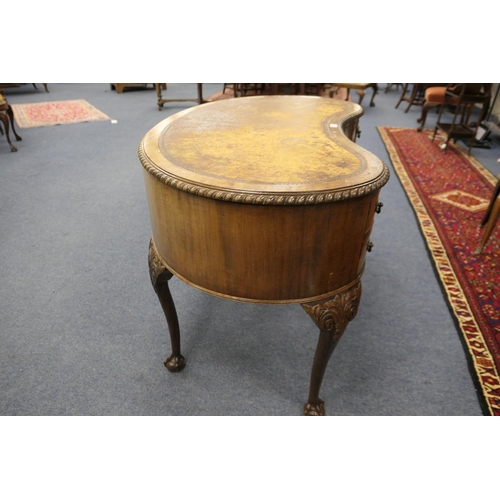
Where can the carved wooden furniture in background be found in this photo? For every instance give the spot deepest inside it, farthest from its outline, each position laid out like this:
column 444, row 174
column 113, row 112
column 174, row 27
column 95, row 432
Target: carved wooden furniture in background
column 11, row 85
column 415, row 97
column 360, row 89
column 273, row 204
column 161, row 101
column 119, row 87
column 252, row 89
column 7, row 116
column 44, row 86
column 433, row 97
column 390, row 85
column 463, row 97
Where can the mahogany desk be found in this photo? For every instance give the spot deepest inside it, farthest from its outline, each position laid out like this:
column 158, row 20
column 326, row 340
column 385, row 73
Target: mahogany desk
column 263, row 199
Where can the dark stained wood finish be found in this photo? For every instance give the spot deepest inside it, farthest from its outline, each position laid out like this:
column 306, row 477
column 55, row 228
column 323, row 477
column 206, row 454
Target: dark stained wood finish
column 160, row 276
column 463, row 96
column 7, row 117
column 264, row 199
column 331, row 317
column 360, row 89
column 119, row 87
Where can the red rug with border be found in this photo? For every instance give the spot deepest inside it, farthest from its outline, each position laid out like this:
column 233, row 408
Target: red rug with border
column 449, row 193
column 44, row 114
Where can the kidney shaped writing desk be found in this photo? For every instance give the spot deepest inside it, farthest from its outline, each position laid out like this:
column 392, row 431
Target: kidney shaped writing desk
column 263, row 199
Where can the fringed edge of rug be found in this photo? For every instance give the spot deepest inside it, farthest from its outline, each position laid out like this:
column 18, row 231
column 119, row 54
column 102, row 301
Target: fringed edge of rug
column 439, row 258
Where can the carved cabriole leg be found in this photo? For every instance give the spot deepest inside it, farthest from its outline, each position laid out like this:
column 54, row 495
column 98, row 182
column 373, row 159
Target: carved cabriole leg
column 160, row 275
column 332, row 317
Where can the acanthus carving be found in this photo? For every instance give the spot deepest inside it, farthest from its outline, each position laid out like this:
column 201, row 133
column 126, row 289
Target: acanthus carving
column 333, row 315
column 259, row 198
column 156, row 267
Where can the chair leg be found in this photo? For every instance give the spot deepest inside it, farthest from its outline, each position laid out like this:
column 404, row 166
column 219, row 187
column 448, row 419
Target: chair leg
column 11, row 118
column 496, row 194
column 361, row 94
column 423, row 117
column 405, row 88
column 492, row 219
column 375, row 92
column 416, row 90
column 5, row 119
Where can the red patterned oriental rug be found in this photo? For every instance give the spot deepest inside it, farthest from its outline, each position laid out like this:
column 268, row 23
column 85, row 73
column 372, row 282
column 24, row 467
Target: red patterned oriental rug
column 44, row 114
column 449, row 193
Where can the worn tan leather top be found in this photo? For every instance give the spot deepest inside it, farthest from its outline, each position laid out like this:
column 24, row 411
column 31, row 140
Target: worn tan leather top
column 267, row 145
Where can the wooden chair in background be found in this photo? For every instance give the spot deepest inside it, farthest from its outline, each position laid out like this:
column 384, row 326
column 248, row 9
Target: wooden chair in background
column 433, row 97
column 390, row 85
column 463, row 97
column 414, row 97
column 360, row 89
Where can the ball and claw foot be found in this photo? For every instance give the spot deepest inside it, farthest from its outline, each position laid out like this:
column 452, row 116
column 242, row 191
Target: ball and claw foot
column 175, row 363
column 315, row 410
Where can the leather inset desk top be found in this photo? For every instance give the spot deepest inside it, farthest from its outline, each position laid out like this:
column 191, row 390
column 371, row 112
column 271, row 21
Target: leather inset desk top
column 277, row 145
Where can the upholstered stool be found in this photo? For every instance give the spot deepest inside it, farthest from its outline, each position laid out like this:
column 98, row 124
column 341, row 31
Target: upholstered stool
column 433, row 97
column 7, row 115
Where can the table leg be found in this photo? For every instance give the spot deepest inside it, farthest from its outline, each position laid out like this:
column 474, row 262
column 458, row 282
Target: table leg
column 160, row 276
column 375, row 92
column 158, row 94
column 361, row 93
column 332, row 317
column 199, row 87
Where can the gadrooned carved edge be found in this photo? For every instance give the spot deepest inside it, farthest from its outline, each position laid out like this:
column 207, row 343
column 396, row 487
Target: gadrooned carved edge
column 156, row 266
column 333, row 315
column 259, row 198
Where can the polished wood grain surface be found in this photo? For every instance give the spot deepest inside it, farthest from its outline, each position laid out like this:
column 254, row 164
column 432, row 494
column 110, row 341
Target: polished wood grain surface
column 261, row 253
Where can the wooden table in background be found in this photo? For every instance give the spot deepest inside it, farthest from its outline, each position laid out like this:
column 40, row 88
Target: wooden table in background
column 274, row 205
column 161, row 101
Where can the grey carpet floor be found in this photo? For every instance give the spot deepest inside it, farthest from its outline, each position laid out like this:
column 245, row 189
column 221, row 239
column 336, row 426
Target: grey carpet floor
column 81, row 329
